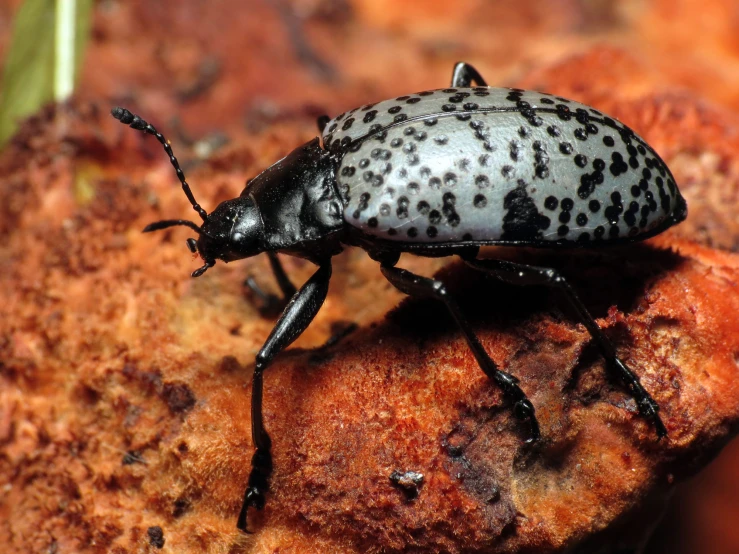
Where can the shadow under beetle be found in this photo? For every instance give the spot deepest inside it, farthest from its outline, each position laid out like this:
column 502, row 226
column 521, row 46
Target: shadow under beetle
column 440, row 173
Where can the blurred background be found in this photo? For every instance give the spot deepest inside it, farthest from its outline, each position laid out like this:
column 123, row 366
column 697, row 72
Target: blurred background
column 213, row 72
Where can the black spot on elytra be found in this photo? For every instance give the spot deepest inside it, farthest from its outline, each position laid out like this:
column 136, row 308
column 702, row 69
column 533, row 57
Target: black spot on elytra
column 522, row 220
column 619, row 165
column 551, row 203
column 613, row 211
column 402, row 210
column 363, row 203
column 369, row 117
column 588, row 182
column 450, row 213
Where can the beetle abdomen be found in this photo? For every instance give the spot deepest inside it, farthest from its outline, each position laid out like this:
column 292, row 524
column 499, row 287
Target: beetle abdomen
column 498, row 166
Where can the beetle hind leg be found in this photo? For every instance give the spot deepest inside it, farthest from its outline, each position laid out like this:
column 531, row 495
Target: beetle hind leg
column 464, row 74
column 415, row 285
column 522, row 274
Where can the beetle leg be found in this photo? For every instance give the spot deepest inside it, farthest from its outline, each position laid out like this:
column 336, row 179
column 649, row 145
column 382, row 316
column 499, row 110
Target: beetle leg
column 521, row 274
column 298, row 314
column 272, row 304
column 415, row 285
column 321, row 122
column 283, row 281
column 464, row 74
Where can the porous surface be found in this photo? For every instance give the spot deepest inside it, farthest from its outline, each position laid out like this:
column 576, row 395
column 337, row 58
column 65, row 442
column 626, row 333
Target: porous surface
column 124, row 384
column 498, row 165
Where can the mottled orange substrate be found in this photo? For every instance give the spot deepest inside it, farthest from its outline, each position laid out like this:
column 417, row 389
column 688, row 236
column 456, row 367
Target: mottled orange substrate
column 124, row 384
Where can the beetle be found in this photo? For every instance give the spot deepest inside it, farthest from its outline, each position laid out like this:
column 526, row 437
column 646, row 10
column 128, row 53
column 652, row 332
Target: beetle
column 439, row 173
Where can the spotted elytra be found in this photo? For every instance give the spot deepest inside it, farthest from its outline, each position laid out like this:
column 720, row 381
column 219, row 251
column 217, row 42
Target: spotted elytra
column 439, row 173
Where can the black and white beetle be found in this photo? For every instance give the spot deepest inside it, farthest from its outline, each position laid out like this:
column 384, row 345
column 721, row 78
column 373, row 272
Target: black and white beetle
column 439, row 173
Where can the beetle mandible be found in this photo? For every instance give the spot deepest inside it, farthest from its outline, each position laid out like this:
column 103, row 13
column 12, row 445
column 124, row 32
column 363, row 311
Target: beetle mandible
column 440, row 173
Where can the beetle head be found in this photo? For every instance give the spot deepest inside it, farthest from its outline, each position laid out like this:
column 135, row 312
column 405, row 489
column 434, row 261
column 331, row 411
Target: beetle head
column 230, row 232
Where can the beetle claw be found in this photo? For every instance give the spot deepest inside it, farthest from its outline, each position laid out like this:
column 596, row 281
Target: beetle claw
column 524, row 410
column 253, row 498
column 649, row 409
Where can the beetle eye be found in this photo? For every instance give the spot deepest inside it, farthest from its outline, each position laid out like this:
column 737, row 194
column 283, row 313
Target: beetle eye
column 192, row 245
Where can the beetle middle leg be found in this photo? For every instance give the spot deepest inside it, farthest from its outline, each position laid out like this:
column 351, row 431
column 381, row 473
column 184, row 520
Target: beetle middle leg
column 415, row 285
column 298, row 314
column 271, row 303
column 522, row 274
column 464, row 74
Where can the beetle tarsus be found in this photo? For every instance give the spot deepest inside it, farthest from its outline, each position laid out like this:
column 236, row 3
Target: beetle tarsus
column 524, row 411
column 255, row 494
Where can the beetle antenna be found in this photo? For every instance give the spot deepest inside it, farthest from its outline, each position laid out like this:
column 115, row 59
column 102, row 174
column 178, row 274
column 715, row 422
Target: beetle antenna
column 171, row 223
column 135, row 122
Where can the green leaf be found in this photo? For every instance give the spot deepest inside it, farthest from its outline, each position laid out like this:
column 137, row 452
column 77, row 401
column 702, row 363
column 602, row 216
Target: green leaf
column 82, row 34
column 28, row 78
column 34, row 63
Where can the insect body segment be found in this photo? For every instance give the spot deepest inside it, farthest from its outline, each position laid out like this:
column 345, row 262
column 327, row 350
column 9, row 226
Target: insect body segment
column 439, row 173
column 496, row 166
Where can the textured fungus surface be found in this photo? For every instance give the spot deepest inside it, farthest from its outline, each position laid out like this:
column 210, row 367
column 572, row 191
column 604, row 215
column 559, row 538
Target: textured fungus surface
column 124, row 384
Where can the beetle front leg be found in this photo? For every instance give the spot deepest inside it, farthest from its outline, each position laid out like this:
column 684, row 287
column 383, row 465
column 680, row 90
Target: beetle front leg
column 464, row 74
column 272, row 304
column 298, row 314
column 522, row 274
column 415, row 285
